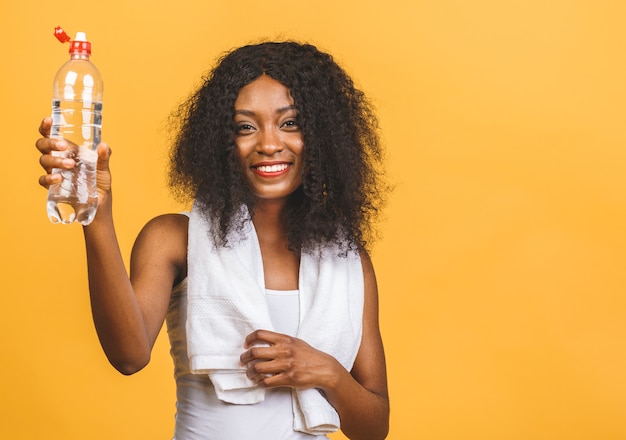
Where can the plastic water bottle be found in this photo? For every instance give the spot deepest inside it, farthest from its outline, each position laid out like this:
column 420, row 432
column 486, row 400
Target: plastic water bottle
column 77, row 118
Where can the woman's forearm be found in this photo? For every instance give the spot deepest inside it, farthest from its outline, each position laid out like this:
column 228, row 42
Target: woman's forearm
column 116, row 312
column 364, row 414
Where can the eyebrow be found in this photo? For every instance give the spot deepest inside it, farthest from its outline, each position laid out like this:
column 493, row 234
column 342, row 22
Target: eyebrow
column 278, row 110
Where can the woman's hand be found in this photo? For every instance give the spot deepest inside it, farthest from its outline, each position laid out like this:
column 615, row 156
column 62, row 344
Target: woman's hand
column 52, row 160
column 286, row 361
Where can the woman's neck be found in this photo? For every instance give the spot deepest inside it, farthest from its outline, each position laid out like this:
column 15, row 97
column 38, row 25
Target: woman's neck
column 269, row 218
column 280, row 264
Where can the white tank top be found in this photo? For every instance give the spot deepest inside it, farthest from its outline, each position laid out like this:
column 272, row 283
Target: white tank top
column 284, row 306
column 199, row 414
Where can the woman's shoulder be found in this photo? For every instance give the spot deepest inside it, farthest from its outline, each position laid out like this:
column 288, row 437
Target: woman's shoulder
column 163, row 240
column 166, row 230
column 170, row 220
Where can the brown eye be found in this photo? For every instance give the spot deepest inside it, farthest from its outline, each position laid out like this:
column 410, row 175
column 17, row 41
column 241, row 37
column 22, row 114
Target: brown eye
column 291, row 123
column 244, row 128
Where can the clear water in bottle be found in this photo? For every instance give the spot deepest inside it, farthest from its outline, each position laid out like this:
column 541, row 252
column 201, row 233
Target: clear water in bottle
column 75, row 198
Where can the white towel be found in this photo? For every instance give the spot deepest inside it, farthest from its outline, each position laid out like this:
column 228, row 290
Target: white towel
column 226, row 302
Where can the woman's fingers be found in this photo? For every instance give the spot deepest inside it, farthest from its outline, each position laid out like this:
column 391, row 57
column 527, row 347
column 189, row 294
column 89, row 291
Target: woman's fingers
column 51, row 155
column 44, row 126
column 283, row 360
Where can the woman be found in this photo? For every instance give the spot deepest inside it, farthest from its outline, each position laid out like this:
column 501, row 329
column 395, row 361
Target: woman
column 279, row 152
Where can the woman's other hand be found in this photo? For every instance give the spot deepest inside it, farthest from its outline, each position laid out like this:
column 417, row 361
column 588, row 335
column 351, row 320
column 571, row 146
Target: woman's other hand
column 274, row 360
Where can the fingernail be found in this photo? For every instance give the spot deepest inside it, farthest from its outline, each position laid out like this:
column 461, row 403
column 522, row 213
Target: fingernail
column 61, row 145
column 68, row 162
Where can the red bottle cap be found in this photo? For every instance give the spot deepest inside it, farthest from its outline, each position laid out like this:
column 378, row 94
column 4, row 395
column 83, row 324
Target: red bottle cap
column 79, row 45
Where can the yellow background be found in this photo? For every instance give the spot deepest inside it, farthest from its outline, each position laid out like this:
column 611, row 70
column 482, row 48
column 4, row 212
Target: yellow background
column 502, row 265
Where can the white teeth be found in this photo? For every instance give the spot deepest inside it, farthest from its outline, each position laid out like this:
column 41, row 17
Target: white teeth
column 272, row 168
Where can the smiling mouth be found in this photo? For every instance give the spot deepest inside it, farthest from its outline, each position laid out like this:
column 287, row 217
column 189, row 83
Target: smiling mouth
column 271, row 169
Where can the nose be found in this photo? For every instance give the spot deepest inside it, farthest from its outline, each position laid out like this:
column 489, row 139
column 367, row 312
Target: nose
column 269, row 142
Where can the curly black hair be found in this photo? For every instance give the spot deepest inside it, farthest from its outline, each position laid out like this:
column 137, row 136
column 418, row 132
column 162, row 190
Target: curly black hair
column 342, row 188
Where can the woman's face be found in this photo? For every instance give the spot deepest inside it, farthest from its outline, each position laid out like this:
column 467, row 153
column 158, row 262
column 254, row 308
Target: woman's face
column 268, row 138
